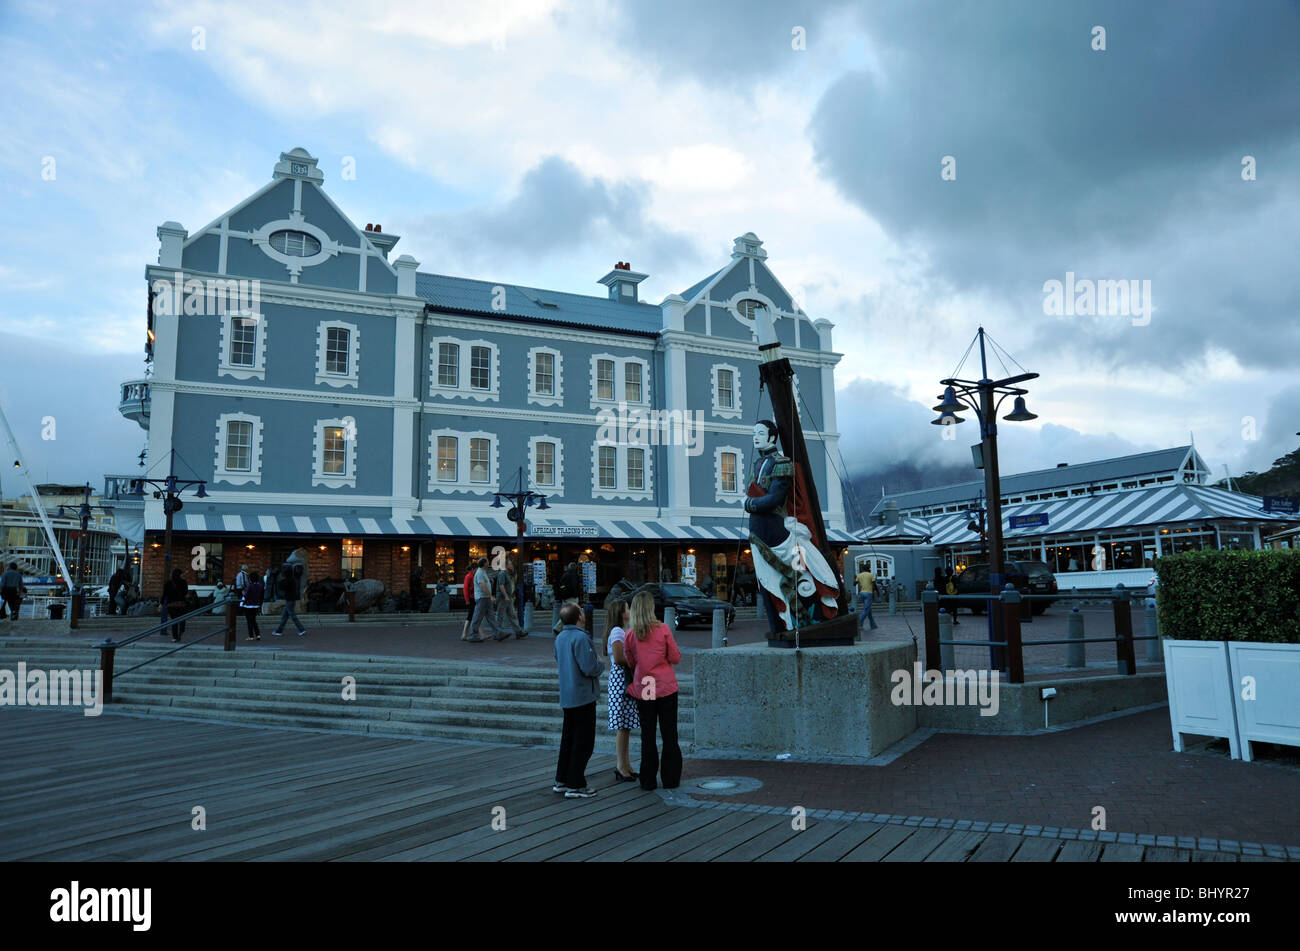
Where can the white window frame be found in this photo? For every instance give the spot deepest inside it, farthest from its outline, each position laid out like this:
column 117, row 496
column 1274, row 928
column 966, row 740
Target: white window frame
column 219, row 471
column 463, row 390
column 544, row 399
column 224, row 367
column 732, row 412
column 354, row 353
column 462, row 483
column 620, row 489
column 547, row 490
column 348, row 480
column 720, row 494
column 620, row 381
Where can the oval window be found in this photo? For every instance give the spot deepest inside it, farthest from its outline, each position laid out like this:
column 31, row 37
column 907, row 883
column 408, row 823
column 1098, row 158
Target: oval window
column 295, row 244
column 749, row 307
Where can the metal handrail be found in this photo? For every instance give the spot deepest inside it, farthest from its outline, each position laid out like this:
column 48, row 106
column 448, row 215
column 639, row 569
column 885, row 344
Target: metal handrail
column 159, row 628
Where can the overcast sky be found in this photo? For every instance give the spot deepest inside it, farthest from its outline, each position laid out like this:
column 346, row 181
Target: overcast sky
column 540, row 142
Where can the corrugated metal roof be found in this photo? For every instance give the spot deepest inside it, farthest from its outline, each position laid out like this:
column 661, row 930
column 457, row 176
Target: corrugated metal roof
column 699, row 285
column 529, row 303
column 1103, row 511
column 1103, row 470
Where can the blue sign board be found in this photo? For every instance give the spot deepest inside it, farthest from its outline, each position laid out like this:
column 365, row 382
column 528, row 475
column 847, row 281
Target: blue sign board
column 1029, row 521
column 1273, row 503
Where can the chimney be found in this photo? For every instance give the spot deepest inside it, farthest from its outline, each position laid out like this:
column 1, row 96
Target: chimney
column 622, row 282
column 1061, row 465
column 889, row 513
column 382, row 242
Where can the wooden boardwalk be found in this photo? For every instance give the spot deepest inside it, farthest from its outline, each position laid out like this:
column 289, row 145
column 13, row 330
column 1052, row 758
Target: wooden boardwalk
column 117, row 788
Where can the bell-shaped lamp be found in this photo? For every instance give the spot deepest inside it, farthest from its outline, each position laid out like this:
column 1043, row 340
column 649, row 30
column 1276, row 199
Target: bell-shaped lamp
column 202, row 492
column 949, row 406
column 947, row 419
column 496, row 502
column 1018, row 412
column 542, row 506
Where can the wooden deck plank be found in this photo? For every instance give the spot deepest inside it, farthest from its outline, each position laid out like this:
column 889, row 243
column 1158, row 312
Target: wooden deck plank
column 918, row 845
column 958, row 847
column 776, row 830
column 539, row 844
column 1156, row 853
column 1205, row 855
column 801, row 843
column 884, row 840
column 747, row 827
column 849, row 836
column 1037, row 849
column 1075, row 850
column 996, row 847
column 1121, row 852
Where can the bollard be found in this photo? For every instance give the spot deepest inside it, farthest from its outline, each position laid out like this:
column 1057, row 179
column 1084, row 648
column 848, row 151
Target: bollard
column 930, row 609
column 1015, row 654
column 893, row 598
column 106, row 651
column 1153, row 631
column 230, row 624
column 945, row 635
column 1125, row 662
column 589, row 620
column 1074, row 631
column 528, row 617
column 719, row 627
column 555, row 616
column 74, row 610
column 670, row 617
column 352, row 606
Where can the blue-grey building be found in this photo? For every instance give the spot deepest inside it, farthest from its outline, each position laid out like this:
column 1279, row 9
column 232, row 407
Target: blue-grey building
column 340, row 398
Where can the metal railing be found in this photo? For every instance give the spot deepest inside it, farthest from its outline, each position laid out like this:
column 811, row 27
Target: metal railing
column 1010, row 608
column 108, row 648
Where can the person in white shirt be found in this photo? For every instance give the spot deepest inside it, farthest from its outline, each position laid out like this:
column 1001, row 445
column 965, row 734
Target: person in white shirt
column 483, row 606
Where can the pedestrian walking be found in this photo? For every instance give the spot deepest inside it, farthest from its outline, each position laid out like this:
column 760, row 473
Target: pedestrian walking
column 11, row 590
column 290, row 589
column 579, row 671
column 175, row 592
column 569, row 589
column 653, row 652
column 115, row 584
column 467, row 587
column 250, row 605
column 242, row 578
column 507, row 618
column 623, row 717
column 866, row 591
column 484, row 607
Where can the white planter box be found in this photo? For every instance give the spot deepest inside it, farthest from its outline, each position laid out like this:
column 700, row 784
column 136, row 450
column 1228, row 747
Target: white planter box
column 1273, row 715
column 1200, row 691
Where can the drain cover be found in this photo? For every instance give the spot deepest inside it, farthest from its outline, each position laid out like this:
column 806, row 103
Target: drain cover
column 724, row 785
column 718, row 784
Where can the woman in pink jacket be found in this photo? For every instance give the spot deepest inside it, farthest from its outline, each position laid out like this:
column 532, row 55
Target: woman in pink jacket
column 653, row 652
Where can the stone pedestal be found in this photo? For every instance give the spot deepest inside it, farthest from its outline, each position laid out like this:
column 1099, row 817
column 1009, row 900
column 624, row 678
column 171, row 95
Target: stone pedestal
column 820, row 701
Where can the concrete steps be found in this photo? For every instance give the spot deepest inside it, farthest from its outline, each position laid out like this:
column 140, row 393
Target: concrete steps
column 393, row 696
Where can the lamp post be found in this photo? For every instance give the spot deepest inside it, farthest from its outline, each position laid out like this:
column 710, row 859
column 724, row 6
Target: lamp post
column 520, row 500
column 78, row 593
column 983, row 397
column 169, row 490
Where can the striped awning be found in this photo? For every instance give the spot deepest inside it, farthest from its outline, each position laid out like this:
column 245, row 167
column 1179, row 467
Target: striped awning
column 464, row 526
column 1159, row 505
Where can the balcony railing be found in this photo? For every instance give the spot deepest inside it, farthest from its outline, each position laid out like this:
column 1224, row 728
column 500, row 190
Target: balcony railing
column 135, row 402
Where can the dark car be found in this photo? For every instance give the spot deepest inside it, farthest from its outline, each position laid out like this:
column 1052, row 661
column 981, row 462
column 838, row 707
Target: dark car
column 1029, row 577
column 690, row 603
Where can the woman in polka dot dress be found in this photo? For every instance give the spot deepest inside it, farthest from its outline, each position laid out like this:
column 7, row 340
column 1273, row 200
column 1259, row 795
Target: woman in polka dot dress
column 623, row 717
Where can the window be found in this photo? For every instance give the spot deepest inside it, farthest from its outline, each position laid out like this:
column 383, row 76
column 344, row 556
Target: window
column 336, row 453
column 545, row 384
column 636, row 469
column 295, row 244
column 544, row 375
column 480, row 368
column 749, row 307
column 605, row 379
column 465, row 369
column 632, row 382
column 544, row 473
column 447, row 458
column 448, row 364
column 243, row 342
column 338, row 351
column 479, row 460
column 243, row 347
column 446, row 449
column 728, row 486
column 239, row 446
column 726, row 390
column 608, row 466
column 352, row 560
column 238, row 456
column 546, row 465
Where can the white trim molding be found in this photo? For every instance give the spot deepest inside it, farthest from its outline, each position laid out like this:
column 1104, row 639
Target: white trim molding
column 295, row 222
column 348, row 478
column 732, row 411
column 463, row 482
column 556, row 396
column 253, row 475
column 354, row 353
column 620, row 381
column 462, row 389
column 621, row 488
column 239, row 371
column 557, row 489
column 720, row 494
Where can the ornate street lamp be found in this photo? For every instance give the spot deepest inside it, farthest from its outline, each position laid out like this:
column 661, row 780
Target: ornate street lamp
column 169, row 490
column 983, row 397
column 520, row 500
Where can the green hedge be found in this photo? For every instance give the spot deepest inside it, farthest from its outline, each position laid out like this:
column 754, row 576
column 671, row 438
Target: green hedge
column 1230, row 596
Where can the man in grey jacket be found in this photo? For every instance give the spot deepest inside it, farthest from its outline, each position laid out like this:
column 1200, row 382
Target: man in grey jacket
column 11, row 590
column 579, row 682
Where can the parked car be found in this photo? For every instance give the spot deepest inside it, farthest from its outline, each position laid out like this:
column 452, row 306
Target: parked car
column 688, row 601
column 1029, row 577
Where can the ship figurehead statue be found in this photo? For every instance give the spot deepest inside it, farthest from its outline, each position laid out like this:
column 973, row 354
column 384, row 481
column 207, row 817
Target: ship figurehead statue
column 799, row 588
